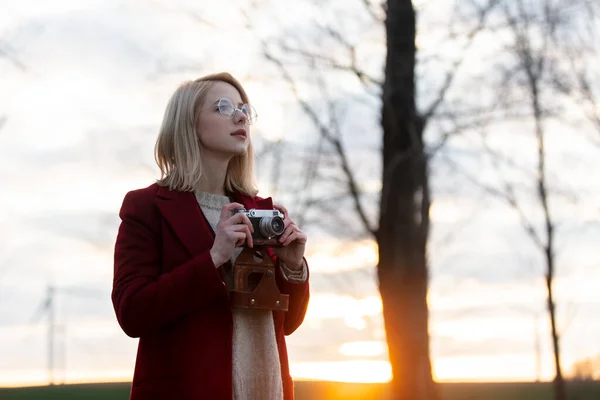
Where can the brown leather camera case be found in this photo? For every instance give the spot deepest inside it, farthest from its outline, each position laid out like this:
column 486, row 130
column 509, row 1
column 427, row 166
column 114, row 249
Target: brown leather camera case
column 254, row 284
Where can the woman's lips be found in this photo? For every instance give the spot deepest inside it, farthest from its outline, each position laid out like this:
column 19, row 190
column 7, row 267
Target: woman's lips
column 240, row 133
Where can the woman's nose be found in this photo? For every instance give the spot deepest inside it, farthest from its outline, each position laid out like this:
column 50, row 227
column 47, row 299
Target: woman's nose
column 240, row 117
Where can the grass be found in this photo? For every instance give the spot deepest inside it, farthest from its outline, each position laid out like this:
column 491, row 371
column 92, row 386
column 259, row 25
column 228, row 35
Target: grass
column 313, row 390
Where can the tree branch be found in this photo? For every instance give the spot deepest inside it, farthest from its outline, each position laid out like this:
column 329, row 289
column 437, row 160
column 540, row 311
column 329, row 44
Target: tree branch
column 7, row 52
column 324, row 131
column 329, row 62
column 451, row 74
column 508, row 195
column 370, row 7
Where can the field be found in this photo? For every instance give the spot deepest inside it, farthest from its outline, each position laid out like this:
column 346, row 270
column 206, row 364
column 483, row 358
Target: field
column 309, row 390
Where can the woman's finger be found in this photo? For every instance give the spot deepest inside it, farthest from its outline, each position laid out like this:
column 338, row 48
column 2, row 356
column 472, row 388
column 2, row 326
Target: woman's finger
column 240, row 219
column 283, row 210
column 238, row 238
column 289, row 222
column 294, row 236
column 249, row 241
column 287, row 232
column 299, row 237
column 302, row 238
column 241, row 228
column 228, row 209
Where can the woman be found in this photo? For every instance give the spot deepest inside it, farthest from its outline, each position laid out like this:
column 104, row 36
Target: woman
column 176, row 243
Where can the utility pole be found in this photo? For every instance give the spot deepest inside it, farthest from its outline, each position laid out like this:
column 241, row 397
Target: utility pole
column 51, row 326
column 56, row 331
column 538, row 349
column 48, row 306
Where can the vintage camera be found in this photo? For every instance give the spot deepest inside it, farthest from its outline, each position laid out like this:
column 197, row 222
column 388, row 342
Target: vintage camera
column 268, row 225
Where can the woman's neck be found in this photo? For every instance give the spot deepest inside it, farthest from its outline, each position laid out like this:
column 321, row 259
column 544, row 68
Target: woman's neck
column 214, row 171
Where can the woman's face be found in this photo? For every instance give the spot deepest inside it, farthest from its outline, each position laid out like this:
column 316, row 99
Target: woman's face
column 218, row 135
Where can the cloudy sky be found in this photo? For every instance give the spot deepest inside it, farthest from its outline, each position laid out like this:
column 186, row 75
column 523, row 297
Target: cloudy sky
column 83, row 86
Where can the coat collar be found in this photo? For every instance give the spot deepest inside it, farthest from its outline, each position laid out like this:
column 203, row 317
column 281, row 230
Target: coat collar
column 183, row 214
column 252, row 202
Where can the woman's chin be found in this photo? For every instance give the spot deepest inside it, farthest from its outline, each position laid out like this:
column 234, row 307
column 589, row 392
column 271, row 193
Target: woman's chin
column 240, row 150
column 236, row 152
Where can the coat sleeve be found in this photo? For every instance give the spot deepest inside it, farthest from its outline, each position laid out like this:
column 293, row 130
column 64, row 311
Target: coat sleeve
column 145, row 300
column 299, row 295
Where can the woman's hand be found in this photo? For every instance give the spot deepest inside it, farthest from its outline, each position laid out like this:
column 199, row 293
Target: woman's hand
column 233, row 230
column 293, row 241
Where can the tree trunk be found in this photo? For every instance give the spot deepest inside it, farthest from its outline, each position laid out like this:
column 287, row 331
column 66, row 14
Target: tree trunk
column 560, row 392
column 404, row 214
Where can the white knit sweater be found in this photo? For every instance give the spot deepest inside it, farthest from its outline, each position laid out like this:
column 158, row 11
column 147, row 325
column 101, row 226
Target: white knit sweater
column 256, row 365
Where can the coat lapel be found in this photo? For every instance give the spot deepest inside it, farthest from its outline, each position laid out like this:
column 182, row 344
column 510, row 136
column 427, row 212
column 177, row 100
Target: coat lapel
column 183, row 214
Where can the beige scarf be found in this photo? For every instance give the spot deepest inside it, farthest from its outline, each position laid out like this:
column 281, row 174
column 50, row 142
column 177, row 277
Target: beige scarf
column 256, row 366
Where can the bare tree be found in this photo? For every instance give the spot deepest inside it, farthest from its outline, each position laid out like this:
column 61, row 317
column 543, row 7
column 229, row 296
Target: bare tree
column 533, row 62
column 533, row 26
column 404, row 213
column 587, row 368
column 534, row 78
column 403, row 225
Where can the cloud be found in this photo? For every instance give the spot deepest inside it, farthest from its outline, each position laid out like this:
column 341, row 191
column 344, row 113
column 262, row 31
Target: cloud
column 96, row 228
column 357, row 283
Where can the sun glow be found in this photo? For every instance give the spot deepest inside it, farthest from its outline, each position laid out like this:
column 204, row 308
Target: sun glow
column 363, row 349
column 352, row 310
column 492, row 368
column 334, row 257
column 39, row 377
column 363, row 371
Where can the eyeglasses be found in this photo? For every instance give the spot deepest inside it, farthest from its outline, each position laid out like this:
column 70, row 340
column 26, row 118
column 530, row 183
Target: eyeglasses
column 228, row 110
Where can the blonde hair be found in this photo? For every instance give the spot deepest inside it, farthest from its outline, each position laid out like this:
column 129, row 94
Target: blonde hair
column 178, row 151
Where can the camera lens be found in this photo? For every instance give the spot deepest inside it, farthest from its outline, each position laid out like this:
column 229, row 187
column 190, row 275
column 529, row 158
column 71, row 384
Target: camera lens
column 277, row 225
column 271, row 226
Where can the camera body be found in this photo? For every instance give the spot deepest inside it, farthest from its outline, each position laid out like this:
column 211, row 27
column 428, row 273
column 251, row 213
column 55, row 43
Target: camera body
column 268, row 226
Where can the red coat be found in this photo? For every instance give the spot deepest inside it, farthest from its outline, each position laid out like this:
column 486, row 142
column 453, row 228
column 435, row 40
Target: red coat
column 167, row 292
